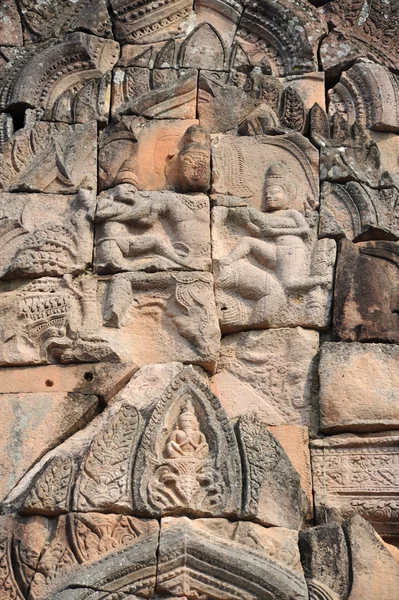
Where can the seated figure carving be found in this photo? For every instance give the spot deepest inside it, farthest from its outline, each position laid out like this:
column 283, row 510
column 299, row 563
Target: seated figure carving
column 186, row 440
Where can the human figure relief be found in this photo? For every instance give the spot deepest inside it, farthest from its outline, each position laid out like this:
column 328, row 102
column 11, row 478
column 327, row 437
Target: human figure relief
column 186, row 440
column 139, row 225
column 275, row 260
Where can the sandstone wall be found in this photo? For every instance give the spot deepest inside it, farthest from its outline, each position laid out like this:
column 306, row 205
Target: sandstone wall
column 199, row 299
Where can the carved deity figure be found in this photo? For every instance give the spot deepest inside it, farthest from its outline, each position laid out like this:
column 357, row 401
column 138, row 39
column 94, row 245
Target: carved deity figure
column 186, row 440
column 275, row 260
column 194, row 160
column 136, row 225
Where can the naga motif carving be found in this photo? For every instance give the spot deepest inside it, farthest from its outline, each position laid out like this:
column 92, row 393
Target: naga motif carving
column 178, row 468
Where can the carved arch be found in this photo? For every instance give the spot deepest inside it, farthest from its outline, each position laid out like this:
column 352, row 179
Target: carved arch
column 54, row 69
column 203, row 49
column 288, row 30
column 169, row 475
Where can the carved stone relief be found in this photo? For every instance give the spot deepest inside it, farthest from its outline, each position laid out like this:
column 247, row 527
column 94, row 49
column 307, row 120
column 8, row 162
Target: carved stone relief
column 174, row 179
column 149, row 231
column 45, row 234
column 270, row 269
column 357, row 475
column 273, row 370
column 52, row 158
column 159, row 317
column 51, row 320
column 133, row 150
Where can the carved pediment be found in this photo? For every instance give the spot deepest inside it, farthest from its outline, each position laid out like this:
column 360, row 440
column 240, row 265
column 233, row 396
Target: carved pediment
column 178, row 455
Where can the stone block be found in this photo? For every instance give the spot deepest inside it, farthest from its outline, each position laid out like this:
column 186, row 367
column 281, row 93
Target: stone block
column 31, row 424
column 273, row 370
column 325, row 560
column 92, row 551
column 358, row 212
column 295, row 443
column 157, row 93
column 54, row 19
column 358, row 475
column 50, row 158
column 45, row 234
column 244, row 559
column 367, row 94
column 133, row 150
column 10, row 24
column 375, row 570
column 272, row 493
column 270, row 268
column 103, row 380
column 359, row 387
column 51, row 320
column 151, row 231
column 241, row 165
column 366, row 294
column 161, row 317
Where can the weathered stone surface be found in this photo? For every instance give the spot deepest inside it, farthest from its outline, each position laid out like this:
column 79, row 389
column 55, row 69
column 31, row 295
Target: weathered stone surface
column 347, row 152
column 50, row 158
column 274, row 371
column 272, row 488
column 93, row 551
column 158, row 93
column 242, row 164
column 366, row 295
column 217, row 559
column 149, row 22
column 361, row 29
column 66, row 81
column 10, row 24
column 295, row 443
column 359, row 387
column 151, row 231
column 51, row 320
column 270, row 269
column 282, row 36
column 32, row 424
column 255, row 102
column 325, row 561
column 375, row 570
column 161, row 317
column 367, row 94
column 133, row 150
column 358, row 212
column 388, row 147
column 103, row 380
column 45, row 235
column 48, row 19
column 357, row 474
column 21, row 544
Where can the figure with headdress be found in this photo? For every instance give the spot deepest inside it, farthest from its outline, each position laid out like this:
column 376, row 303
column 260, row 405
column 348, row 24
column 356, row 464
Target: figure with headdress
column 276, row 239
column 186, row 440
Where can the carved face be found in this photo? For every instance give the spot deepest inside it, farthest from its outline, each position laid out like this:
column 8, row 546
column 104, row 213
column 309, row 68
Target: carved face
column 276, row 197
column 188, row 422
column 194, row 170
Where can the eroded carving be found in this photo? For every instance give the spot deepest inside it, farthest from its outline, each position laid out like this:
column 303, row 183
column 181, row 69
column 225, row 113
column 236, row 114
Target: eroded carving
column 49, row 158
column 32, row 246
column 51, row 320
column 355, row 475
column 52, row 77
column 136, row 304
column 139, row 231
